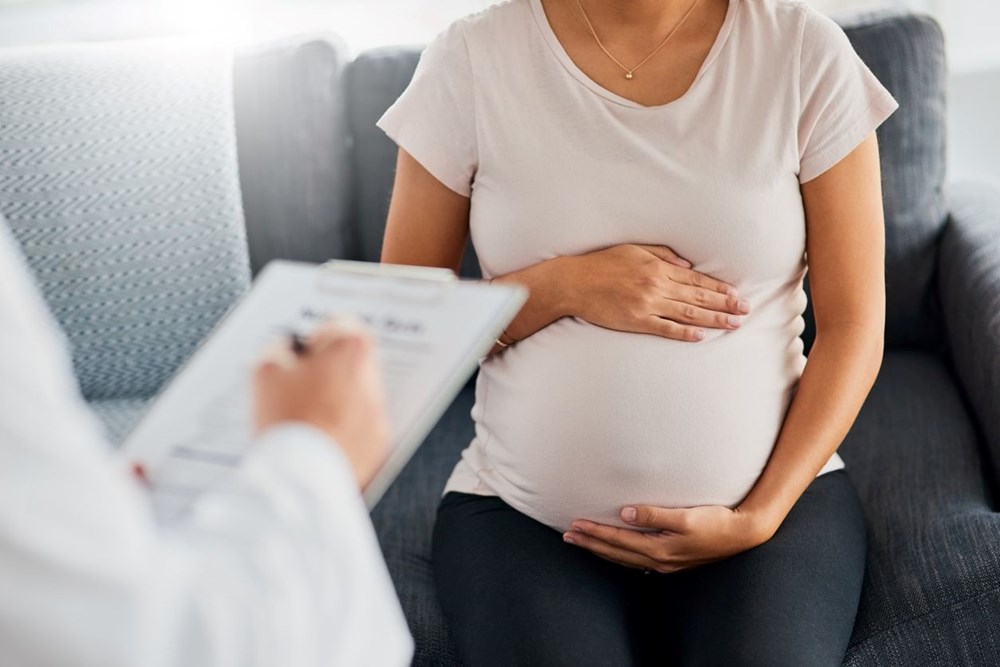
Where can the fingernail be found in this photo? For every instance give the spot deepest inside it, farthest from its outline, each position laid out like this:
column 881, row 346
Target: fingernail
column 699, row 334
column 568, row 539
column 629, row 514
column 686, row 264
column 732, row 292
column 733, row 321
column 743, row 306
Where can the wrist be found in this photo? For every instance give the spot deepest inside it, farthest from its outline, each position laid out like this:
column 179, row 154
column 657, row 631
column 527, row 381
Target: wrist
column 556, row 278
column 548, row 284
column 308, row 453
column 761, row 524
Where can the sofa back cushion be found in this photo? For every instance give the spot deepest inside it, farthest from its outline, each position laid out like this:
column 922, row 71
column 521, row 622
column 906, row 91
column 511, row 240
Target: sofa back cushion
column 295, row 170
column 373, row 82
column 118, row 177
column 905, row 51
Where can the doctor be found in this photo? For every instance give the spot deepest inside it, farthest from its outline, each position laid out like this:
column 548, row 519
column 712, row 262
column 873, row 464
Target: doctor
column 280, row 568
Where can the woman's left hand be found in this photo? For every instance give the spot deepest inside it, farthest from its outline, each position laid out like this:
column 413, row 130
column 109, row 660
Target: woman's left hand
column 681, row 539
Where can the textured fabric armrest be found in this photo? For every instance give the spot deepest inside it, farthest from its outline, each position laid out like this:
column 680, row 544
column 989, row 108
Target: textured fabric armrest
column 970, row 294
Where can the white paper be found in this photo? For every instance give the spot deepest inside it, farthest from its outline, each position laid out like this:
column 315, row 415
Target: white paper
column 429, row 336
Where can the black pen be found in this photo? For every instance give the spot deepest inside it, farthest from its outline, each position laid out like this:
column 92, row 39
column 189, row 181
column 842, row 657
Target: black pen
column 299, row 345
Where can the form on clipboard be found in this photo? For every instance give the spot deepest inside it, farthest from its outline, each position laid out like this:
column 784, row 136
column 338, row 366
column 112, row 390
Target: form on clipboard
column 430, row 330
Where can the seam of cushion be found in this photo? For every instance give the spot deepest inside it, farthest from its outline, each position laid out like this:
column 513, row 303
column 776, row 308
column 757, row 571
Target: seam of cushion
column 910, row 621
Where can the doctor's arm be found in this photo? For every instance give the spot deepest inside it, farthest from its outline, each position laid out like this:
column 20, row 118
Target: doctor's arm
column 280, row 567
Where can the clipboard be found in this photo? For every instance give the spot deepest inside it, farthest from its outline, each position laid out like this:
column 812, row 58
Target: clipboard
column 431, row 331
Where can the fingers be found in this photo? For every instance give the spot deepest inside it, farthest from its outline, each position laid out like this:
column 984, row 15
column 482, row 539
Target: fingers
column 276, row 356
column 666, row 254
column 660, row 518
column 340, row 337
column 341, row 340
column 685, row 313
column 611, row 552
column 696, row 279
column 699, row 289
column 623, row 538
column 337, row 328
column 708, row 299
column 658, row 326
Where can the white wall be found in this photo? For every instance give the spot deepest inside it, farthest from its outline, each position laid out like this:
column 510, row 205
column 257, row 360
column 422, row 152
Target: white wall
column 971, row 24
column 973, row 126
column 972, row 33
column 972, row 28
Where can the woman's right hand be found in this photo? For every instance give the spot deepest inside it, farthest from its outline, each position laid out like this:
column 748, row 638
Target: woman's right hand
column 650, row 289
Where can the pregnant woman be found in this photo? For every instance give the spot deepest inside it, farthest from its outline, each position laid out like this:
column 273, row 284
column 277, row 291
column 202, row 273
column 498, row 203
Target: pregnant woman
column 654, row 476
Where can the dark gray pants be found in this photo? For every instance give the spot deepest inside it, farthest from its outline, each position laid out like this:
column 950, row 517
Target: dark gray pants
column 515, row 594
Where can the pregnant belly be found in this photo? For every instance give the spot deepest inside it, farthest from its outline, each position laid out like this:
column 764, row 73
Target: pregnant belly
column 578, row 421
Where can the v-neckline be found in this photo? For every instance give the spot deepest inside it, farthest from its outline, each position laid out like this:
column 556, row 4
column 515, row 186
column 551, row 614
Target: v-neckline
column 563, row 57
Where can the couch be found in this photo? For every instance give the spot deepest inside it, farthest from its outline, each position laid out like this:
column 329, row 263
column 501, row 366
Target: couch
column 306, row 175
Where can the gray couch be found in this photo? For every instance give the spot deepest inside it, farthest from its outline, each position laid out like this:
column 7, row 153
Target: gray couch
column 315, row 177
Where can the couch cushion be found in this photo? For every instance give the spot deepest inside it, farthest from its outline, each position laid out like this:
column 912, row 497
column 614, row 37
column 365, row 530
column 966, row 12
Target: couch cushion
column 293, row 150
column 118, row 177
column 119, row 416
column 373, row 83
column 969, row 286
column 934, row 539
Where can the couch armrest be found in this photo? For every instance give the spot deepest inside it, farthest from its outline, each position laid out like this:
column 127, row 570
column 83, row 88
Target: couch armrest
column 969, row 284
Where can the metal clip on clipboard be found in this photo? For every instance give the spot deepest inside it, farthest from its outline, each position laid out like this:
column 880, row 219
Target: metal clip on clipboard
column 415, row 284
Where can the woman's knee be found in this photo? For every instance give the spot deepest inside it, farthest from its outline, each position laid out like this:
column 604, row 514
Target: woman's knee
column 791, row 601
column 514, row 593
column 739, row 650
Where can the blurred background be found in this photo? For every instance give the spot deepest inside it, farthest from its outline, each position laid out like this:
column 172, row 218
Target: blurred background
column 971, row 27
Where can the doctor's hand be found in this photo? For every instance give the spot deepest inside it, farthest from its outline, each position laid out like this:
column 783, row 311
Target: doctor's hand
column 650, row 289
column 680, row 538
column 332, row 383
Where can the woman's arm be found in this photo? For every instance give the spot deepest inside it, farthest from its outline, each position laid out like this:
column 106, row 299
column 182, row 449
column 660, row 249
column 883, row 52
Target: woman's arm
column 428, row 225
column 640, row 289
column 846, row 253
column 846, row 249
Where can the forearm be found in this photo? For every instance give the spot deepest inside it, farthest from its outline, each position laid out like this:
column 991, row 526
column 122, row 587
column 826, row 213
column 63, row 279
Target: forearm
column 548, row 298
column 841, row 369
column 278, row 565
column 288, row 562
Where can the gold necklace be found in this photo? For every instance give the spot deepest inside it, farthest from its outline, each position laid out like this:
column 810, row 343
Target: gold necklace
column 630, row 72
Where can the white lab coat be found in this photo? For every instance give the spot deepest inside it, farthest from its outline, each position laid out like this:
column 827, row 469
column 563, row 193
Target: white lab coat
column 279, row 568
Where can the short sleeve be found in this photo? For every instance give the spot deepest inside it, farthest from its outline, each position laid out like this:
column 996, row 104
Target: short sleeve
column 434, row 120
column 841, row 101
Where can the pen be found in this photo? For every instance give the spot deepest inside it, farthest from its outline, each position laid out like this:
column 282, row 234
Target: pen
column 299, row 346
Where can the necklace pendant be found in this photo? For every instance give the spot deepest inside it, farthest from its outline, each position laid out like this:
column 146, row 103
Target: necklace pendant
column 628, row 75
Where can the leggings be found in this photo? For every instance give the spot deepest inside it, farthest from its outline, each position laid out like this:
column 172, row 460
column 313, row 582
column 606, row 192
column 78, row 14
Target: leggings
column 514, row 593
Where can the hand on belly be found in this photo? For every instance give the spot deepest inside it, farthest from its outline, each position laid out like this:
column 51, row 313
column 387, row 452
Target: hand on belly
column 672, row 539
column 591, row 413
column 649, row 289
column 583, row 421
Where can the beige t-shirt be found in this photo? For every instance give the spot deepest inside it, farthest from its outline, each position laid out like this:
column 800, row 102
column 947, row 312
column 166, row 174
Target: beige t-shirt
column 577, row 421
